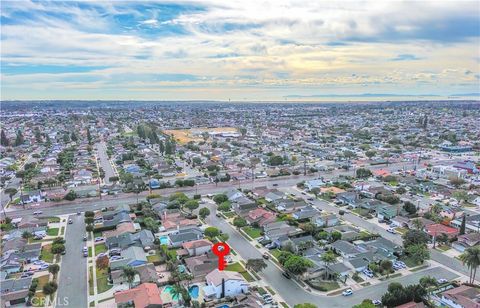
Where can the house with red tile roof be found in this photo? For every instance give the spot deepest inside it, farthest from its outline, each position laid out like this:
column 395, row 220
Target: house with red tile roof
column 142, row 296
column 437, row 229
column 260, row 216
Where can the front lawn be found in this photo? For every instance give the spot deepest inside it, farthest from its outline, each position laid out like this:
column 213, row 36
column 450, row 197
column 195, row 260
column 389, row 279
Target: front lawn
column 53, row 219
column 252, row 232
column 90, row 280
column 89, row 252
column 401, row 230
column 46, row 254
column 324, row 286
column 102, row 284
column 443, row 247
column 42, row 280
column 154, row 258
column 229, row 214
column 52, row 231
column 99, row 248
column 237, row 267
column 276, row 252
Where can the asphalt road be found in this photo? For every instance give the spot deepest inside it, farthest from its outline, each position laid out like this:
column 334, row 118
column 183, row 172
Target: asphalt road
column 294, row 294
column 72, row 284
column 104, row 162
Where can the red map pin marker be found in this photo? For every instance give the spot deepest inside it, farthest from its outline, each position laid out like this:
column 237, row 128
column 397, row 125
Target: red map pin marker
column 221, row 250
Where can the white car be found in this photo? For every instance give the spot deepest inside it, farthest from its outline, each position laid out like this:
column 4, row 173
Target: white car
column 391, row 230
column 37, row 212
column 442, row 280
column 347, row 292
column 99, row 239
column 377, row 302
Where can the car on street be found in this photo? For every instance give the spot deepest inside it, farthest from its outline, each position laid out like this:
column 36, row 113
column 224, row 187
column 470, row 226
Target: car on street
column 85, row 237
column 286, row 275
column 70, row 221
column 99, row 239
column 265, row 256
column 64, row 252
column 78, row 213
column 37, row 212
column 218, row 215
column 391, row 230
column 442, row 280
column 377, row 302
column 347, row 292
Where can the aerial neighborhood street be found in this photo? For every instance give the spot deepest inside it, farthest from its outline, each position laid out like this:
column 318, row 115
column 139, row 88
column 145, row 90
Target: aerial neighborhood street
column 108, row 214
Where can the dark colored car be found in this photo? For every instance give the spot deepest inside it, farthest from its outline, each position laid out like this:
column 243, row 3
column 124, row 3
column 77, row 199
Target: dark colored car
column 286, row 275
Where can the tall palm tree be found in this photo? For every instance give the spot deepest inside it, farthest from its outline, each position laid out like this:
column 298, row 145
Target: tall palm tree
column 471, row 258
column 328, row 258
column 176, row 291
column 129, row 275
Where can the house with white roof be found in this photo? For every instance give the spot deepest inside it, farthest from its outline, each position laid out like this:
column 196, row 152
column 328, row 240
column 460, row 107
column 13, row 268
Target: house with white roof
column 224, row 283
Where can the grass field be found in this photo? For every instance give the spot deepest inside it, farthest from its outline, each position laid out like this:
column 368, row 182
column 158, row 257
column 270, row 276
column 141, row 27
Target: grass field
column 252, row 232
column 52, row 231
column 99, row 248
column 237, row 267
column 90, row 280
column 46, row 255
column 89, row 251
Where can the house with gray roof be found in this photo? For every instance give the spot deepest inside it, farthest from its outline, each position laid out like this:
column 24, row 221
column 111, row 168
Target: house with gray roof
column 305, row 213
column 14, row 291
column 143, row 239
column 345, row 249
column 185, row 235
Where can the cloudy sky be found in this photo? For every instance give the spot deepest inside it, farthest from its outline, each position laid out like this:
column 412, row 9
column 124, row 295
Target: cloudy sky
column 239, row 50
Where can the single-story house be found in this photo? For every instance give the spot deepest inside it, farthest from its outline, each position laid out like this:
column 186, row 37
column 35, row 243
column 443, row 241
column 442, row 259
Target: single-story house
column 224, row 283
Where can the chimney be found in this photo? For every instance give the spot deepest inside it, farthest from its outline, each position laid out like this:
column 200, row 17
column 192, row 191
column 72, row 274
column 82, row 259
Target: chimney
column 223, row 288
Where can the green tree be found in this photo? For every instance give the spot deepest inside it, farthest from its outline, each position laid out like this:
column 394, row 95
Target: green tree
column 256, row 265
column 129, row 273
column 305, row 305
column 363, row 173
column 19, row 140
column 212, row 232
column 151, row 224
column 11, row 192
column 328, row 258
column 71, row 195
column 418, row 253
column 239, row 222
column 224, row 206
column 204, row 212
column 275, row 160
column 367, row 303
column 410, row 207
column 54, row 269
column 471, row 258
column 428, row 281
column 220, row 198
column 4, row 140
column 297, row 265
column 370, row 153
column 463, row 225
column 386, row 266
column 412, row 237
column 57, row 248
column 191, row 205
column 50, row 288
column 26, row 235
column 335, row 236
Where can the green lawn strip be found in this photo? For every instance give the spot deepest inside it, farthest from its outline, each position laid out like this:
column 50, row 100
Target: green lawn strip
column 443, row 247
column 45, row 254
column 62, row 231
column 390, row 277
column 154, row 258
column 52, row 231
column 53, row 219
column 358, row 279
column 252, row 232
column 245, row 235
column 270, row 290
column 229, row 214
column 102, row 285
column 92, row 304
column 325, row 286
column 99, row 248
column 284, row 305
column 237, row 267
column 261, row 290
column 409, row 262
column 365, row 284
column 418, row 268
column 90, row 280
column 39, row 300
column 275, row 253
column 89, row 251
column 336, row 292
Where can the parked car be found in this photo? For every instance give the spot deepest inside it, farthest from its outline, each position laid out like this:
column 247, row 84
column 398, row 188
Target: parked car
column 442, row 280
column 79, row 213
column 113, row 258
column 218, row 214
column 37, row 212
column 70, row 221
column 64, row 252
column 368, row 273
column 100, row 255
column 85, row 253
column 85, row 237
column 266, row 256
column 347, row 292
column 99, row 239
column 377, row 302
column 286, row 275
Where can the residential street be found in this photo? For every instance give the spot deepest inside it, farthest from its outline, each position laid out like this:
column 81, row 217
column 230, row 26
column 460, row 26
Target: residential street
column 72, row 284
column 294, row 294
column 104, row 162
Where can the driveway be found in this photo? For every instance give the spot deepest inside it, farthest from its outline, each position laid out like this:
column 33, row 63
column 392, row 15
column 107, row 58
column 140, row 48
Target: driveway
column 72, row 284
column 294, row 294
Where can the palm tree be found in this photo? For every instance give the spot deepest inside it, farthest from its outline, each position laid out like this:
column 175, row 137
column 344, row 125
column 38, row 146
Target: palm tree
column 471, row 258
column 176, row 291
column 129, row 275
column 328, row 258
